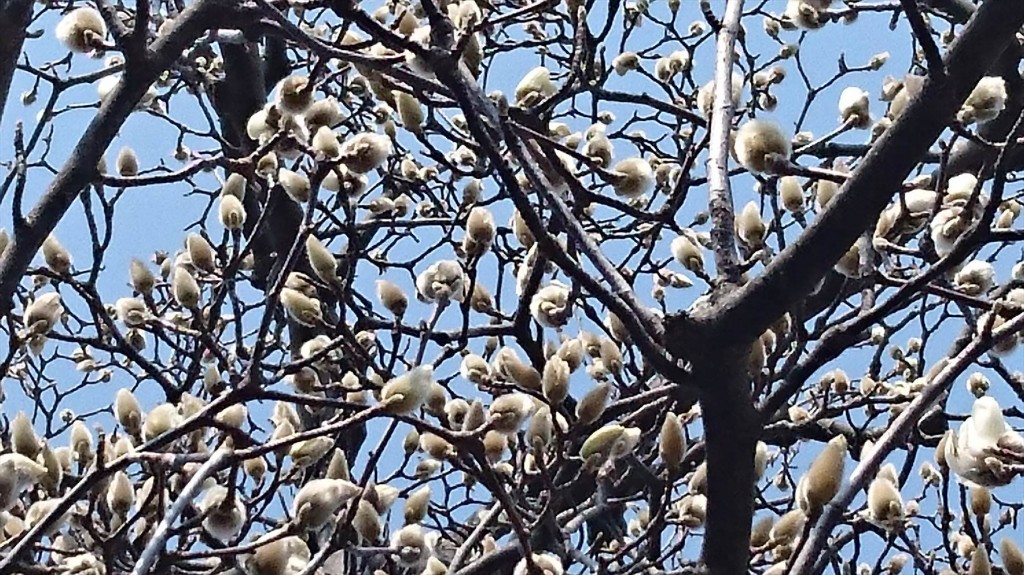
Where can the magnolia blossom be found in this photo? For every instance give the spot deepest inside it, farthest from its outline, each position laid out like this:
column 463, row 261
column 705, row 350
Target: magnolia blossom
column 984, row 445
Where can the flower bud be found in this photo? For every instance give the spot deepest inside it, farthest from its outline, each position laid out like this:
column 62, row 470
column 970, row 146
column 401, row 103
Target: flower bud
column 321, row 259
column 235, row 186
column 686, row 251
column 822, row 481
column 592, row 404
column 555, row 380
column 539, row 433
column 632, row 177
column 294, row 94
column 223, row 519
column 201, row 253
column 296, row 185
column 367, row 522
column 392, row 297
column 127, row 163
column 1012, row 556
column 301, row 308
column 141, row 277
column 407, row 392
column 480, row 232
column 185, row 288
column 534, row 86
column 792, row 194
column 416, row 505
column 508, row 412
column 23, row 437
column 757, row 141
column 338, row 467
column 325, row 142
column 854, row 107
column 318, row 501
column 980, row 564
column 409, row 112
column 365, row 152
column 56, row 257
column 120, row 495
column 43, row 314
column 231, row 213
column 160, row 420
column 884, row 502
column 672, row 442
column 81, row 30
column 128, row 412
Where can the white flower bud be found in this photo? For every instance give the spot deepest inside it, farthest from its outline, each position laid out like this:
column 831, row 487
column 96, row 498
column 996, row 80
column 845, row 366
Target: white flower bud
column 294, row 94
column 854, row 106
column 231, row 212
column 365, row 152
column 750, row 227
column 409, row 111
column 301, row 308
column 319, row 499
column 416, row 505
column 81, row 30
column 127, row 163
column 480, row 232
column 986, row 101
column 201, row 253
column 325, row 141
column 160, row 420
column 43, row 314
column 321, row 259
column 632, row 177
column 56, row 257
column 534, row 86
column 127, row 411
column 409, row 390
column 296, row 185
column 235, row 186
column 822, row 481
column 672, row 442
column 392, row 297
column 792, row 194
column 185, row 288
column 592, row 404
column 625, row 62
column 757, row 141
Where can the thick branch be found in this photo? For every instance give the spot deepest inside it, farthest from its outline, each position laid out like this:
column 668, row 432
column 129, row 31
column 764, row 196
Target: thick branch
column 748, row 311
column 80, row 168
column 14, row 19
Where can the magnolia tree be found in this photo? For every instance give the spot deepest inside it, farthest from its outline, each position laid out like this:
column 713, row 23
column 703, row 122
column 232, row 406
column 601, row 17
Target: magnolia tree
column 544, row 287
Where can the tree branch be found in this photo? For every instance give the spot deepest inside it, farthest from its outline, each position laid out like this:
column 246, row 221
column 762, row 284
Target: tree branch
column 745, row 313
column 720, row 203
column 80, row 167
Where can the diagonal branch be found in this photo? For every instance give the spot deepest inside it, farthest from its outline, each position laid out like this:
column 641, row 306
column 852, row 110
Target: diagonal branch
column 80, row 168
column 747, row 312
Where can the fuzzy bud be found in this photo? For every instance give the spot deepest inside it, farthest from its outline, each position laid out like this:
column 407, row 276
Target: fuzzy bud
column 392, row 297
column 407, row 392
column 81, row 30
column 185, row 288
column 757, row 141
column 671, row 442
column 231, row 212
column 57, row 258
column 822, row 481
